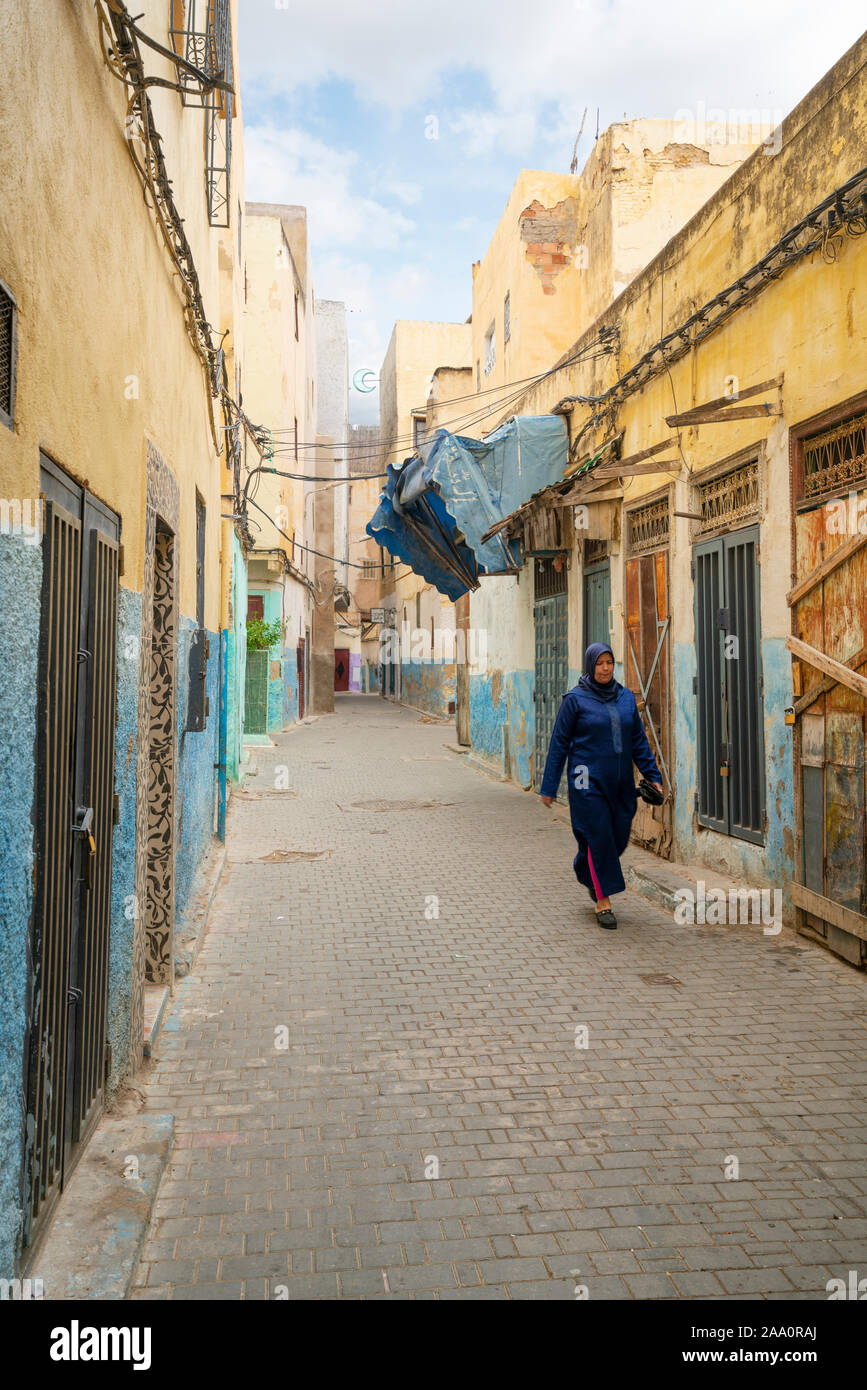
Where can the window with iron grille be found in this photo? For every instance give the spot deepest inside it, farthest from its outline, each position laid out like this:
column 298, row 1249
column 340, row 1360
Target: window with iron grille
column 728, row 686
column 730, row 500
column 8, row 354
column 200, row 33
column 835, row 459
column 550, row 579
column 648, row 526
column 507, row 319
column 418, row 431
column 218, row 154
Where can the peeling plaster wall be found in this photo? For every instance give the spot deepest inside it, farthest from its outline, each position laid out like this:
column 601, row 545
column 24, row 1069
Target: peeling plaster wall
column 196, row 787
column 123, row 904
column 21, row 576
column 428, row 686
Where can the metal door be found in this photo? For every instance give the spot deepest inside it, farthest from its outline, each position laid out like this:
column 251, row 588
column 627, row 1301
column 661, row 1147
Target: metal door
column 256, row 693
column 75, row 811
column 597, row 602
column 299, row 658
column 552, row 663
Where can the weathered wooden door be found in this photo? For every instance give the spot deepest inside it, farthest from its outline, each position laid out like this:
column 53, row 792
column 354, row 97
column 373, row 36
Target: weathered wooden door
column 69, row 944
column 646, row 663
column 829, row 618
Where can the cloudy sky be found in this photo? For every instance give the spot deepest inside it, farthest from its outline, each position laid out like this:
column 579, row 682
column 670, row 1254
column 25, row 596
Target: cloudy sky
column 401, row 125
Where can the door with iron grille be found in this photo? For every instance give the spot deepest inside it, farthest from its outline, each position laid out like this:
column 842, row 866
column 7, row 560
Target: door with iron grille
column 75, row 806
column 597, row 602
column 728, row 686
column 552, row 660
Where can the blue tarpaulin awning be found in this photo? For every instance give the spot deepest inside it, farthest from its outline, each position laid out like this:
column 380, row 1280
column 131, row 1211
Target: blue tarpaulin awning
column 434, row 509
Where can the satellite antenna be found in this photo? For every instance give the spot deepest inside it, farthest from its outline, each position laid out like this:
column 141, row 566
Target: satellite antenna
column 573, row 167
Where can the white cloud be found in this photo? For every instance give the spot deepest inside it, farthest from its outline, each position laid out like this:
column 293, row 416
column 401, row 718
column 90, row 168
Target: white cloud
column 408, row 193
column 579, row 52
column 291, row 166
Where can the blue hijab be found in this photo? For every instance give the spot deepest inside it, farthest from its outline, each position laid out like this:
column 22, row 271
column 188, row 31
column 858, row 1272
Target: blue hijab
column 588, row 680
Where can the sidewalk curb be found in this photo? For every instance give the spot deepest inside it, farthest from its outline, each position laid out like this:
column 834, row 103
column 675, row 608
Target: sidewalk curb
column 190, row 930
column 92, row 1247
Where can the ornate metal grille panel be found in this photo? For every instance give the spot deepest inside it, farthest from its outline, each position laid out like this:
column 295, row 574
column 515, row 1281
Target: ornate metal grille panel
column 200, row 34
column 730, row 500
column 7, row 354
column 648, row 527
column 218, row 155
column 836, row 458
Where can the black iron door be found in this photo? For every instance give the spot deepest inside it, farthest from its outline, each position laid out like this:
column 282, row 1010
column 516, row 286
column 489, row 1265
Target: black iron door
column 75, row 803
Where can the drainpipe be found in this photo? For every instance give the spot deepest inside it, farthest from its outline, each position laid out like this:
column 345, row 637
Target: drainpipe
column 223, row 736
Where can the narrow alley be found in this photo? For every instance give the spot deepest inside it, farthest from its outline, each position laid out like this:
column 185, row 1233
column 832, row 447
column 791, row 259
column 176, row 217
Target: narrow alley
column 407, row 1064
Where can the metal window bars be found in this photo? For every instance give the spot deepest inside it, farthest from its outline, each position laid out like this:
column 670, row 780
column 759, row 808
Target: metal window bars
column 836, row 457
column 648, row 526
column 218, row 154
column 200, row 33
column 731, row 499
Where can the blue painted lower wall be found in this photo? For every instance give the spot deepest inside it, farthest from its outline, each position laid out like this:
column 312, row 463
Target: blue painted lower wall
column 196, row 763
column 290, row 688
column 503, row 722
column 428, row 686
column 20, row 584
column 773, row 862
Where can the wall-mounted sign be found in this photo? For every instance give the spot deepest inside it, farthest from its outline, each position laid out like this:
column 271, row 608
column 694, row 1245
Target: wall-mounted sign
column 377, row 615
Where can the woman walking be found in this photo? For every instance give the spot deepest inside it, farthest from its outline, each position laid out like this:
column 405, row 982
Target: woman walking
column 599, row 732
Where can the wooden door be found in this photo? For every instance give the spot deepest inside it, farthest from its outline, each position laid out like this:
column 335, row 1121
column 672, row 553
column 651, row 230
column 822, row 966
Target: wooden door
column 829, row 615
column 341, row 668
column 646, row 664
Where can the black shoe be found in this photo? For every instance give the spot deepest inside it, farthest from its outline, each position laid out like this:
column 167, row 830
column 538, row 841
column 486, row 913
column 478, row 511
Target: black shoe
column 606, row 919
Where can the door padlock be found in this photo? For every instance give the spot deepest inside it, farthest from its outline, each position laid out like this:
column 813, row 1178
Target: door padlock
column 88, row 865
column 790, row 714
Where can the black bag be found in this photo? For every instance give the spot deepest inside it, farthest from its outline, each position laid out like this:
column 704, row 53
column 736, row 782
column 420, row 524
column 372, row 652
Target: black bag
column 649, row 793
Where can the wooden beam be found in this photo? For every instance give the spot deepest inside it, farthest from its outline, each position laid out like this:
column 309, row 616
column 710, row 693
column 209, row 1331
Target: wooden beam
column 811, row 696
column 774, row 384
column 841, row 673
column 571, row 500
column 829, row 911
column 706, row 416
column 636, row 470
column 828, row 565
column 571, row 469
column 669, row 443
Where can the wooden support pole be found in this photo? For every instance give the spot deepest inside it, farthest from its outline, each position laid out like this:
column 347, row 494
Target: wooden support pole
column 828, row 565
column 840, row 673
column 811, row 696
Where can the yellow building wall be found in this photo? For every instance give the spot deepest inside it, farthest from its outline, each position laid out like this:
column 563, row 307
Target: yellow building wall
column 280, row 368
column 104, row 361
column 566, row 245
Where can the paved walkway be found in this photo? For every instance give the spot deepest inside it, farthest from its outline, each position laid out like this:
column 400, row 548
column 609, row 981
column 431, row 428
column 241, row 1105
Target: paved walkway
column 375, row 1079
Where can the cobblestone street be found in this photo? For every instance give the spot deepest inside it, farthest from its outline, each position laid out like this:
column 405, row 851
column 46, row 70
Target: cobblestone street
column 378, row 1086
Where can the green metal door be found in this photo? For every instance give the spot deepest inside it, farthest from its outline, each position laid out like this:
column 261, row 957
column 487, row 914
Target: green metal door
column 552, row 666
column 597, row 601
column 256, row 693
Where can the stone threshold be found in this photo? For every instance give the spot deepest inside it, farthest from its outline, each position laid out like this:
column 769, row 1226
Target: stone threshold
column 92, row 1246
